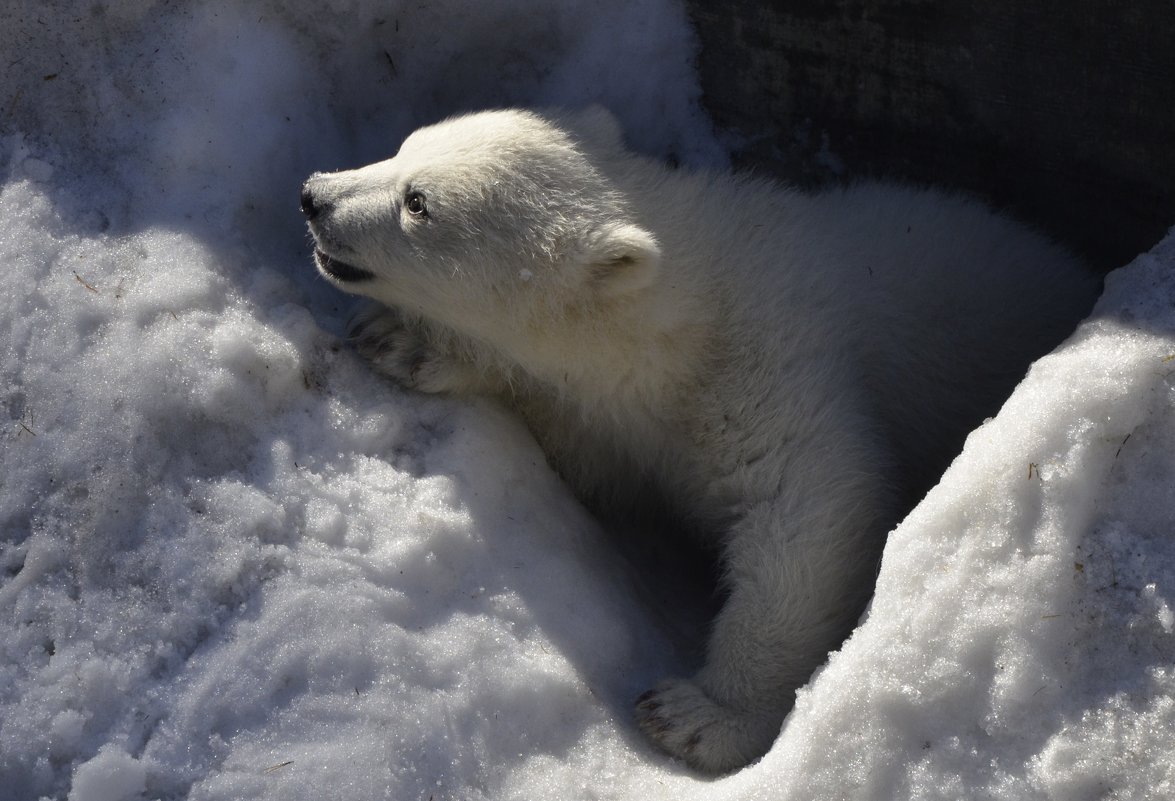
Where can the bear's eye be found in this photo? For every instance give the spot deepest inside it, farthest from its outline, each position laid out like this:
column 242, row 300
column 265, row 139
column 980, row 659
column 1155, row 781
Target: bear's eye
column 414, row 202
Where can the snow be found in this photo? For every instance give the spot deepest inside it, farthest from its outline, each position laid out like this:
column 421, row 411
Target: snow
column 234, row 564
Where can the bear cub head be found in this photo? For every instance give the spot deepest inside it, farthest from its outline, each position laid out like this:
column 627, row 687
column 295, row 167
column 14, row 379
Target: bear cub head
column 489, row 219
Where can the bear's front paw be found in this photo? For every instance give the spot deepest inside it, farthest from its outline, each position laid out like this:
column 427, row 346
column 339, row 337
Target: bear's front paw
column 404, row 351
column 682, row 720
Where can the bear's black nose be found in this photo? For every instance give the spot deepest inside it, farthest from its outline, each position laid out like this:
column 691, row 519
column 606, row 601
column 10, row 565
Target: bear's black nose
column 309, row 207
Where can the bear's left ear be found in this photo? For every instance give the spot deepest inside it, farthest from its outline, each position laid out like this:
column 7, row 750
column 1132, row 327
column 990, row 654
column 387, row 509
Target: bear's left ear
column 598, row 126
column 623, row 258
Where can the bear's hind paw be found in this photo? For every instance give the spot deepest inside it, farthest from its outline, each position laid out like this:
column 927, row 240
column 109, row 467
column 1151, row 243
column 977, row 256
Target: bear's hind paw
column 683, row 721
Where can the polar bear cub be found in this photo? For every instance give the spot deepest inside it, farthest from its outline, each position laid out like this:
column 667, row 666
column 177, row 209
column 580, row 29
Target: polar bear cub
column 778, row 370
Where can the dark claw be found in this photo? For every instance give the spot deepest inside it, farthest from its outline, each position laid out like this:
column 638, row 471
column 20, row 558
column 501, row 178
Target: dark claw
column 656, row 726
column 648, row 702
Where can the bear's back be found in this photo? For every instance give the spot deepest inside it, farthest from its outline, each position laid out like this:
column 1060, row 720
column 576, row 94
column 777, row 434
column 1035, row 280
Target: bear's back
column 934, row 305
column 953, row 303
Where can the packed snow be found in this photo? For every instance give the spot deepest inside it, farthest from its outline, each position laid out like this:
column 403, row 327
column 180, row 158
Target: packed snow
column 235, row 564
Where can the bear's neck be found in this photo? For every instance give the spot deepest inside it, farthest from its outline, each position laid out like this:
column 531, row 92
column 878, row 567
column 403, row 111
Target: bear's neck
column 647, row 349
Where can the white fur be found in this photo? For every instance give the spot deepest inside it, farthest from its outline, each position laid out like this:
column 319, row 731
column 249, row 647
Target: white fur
column 779, row 370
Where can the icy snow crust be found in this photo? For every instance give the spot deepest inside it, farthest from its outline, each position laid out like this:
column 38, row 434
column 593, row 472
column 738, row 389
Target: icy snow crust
column 234, row 564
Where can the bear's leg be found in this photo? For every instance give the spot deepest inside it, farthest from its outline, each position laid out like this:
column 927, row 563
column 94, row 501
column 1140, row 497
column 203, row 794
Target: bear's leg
column 416, row 353
column 800, row 569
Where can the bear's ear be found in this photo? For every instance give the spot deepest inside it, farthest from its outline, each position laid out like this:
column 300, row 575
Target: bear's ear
column 622, row 258
column 597, row 126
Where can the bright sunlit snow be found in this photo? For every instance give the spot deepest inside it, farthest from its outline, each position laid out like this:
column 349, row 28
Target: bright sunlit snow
column 234, row 564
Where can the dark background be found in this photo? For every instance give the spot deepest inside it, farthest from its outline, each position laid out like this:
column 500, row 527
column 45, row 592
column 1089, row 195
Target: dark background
column 1062, row 112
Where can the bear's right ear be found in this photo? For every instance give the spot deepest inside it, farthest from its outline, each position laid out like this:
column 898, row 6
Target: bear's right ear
column 622, row 258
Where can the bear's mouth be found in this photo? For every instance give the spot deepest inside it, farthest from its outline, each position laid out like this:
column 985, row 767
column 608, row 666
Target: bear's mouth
column 340, row 270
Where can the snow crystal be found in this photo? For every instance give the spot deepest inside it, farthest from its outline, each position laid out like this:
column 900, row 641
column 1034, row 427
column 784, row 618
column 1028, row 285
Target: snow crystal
column 112, row 775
